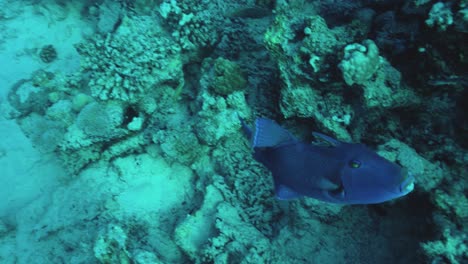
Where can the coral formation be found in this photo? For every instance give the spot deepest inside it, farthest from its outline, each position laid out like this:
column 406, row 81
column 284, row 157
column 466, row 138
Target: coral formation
column 48, row 54
column 193, row 23
column 99, row 121
column 453, row 247
column 131, row 63
column 440, row 16
column 228, row 77
column 360, row 62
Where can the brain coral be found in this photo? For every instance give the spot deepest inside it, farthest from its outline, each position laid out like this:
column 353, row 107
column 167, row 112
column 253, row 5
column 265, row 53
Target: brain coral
column 100, row 120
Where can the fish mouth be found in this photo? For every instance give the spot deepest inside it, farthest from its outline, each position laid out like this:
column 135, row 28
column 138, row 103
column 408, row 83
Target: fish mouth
column 407, row 184
column 407, row 187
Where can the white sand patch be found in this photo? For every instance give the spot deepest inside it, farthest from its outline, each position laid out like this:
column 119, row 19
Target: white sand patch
column 29, row 179
column 153, row 185
column 26, row 28
column 25, row 173
column 137, row 186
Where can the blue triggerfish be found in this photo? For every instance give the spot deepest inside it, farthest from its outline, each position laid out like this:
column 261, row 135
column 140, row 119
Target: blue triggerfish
column 333, row 171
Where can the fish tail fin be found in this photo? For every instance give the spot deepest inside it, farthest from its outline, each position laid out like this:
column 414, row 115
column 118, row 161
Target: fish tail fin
column 267, row 133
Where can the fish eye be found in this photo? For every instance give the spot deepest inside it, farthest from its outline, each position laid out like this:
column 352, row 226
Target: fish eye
column 355, row 164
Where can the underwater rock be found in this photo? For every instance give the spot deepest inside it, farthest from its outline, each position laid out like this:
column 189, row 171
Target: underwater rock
column 61, row 112
column 45, row 133
column 196, row 229
column 80, row 100
column 428, row 175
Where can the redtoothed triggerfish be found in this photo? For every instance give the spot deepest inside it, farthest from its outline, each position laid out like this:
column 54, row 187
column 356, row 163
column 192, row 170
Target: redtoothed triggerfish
column 332, row 171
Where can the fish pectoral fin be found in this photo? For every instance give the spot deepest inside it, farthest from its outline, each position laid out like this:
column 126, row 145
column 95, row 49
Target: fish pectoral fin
column 326, row 184
column 333, row 191
column 286, row 193
column 338, row 194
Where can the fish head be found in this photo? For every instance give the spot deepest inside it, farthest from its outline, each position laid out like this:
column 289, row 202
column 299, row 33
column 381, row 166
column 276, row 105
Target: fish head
column 368, row 178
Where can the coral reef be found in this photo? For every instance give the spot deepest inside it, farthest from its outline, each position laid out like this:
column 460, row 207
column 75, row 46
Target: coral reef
column 158, row 170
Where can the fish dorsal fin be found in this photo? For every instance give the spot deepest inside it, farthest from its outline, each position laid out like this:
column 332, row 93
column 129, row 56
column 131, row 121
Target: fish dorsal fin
column 326, row 139
column 269, row 134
